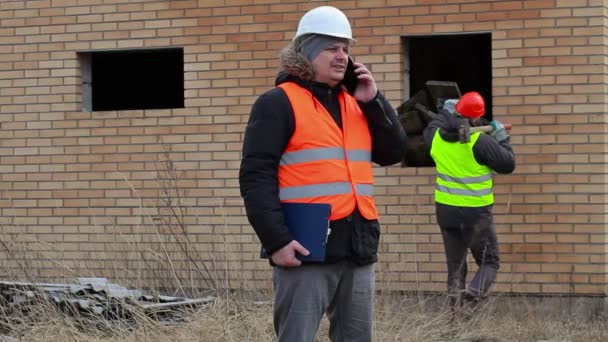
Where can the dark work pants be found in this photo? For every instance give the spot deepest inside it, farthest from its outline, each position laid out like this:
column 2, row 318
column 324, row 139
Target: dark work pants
column 465, row 229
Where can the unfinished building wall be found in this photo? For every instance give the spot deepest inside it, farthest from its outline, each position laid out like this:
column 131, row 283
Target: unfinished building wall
column 151, row 196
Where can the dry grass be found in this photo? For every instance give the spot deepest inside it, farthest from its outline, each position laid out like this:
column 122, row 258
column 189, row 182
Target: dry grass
column 239, row 317
column 499, row 319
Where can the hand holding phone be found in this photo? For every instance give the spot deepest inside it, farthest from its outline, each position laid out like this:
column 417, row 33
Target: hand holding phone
column 359, row 82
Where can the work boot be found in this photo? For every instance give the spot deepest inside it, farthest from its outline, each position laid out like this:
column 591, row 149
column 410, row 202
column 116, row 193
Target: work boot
column 469, row 304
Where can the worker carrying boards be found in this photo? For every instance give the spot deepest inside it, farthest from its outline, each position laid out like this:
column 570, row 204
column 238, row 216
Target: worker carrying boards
column 464, row 193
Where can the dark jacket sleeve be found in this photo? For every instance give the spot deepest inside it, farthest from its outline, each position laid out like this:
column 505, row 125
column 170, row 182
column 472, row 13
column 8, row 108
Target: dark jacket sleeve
column 429, row 130
column 445, row 121
column 270, row 126
column 388, row 136
column 498, row 156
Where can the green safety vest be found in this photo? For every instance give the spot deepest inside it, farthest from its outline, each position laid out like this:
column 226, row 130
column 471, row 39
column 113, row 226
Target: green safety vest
column 461, row 180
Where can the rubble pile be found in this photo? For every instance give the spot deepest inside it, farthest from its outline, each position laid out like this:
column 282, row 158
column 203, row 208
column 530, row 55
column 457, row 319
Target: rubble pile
column 414, row 120
column 91, row 297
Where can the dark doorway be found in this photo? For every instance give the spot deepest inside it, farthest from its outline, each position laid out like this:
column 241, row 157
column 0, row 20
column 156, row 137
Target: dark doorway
column 133, row 79
column 462, row 58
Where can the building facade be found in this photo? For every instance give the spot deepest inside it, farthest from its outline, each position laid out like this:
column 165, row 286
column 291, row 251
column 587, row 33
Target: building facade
column 150, row 195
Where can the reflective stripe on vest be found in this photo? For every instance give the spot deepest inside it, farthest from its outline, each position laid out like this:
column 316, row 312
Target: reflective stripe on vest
column 316, row 154
column 326, row 189
column 461, row 181
column 323, row 163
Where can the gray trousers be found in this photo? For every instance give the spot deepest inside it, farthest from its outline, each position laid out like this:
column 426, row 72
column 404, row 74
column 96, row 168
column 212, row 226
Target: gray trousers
column 344, row 291
column 465, row 229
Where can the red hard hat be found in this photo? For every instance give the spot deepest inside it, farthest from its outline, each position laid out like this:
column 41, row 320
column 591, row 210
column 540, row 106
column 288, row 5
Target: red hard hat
column 471, row 105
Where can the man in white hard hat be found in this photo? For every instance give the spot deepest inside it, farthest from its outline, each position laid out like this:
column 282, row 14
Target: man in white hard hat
column 311, row 140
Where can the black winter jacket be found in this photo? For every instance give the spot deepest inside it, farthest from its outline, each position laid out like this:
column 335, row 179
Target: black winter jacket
column 497, row 156
column 271, row 125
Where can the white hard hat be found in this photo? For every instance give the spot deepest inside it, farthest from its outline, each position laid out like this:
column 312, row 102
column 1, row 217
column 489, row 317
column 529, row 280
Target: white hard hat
column 326, row 20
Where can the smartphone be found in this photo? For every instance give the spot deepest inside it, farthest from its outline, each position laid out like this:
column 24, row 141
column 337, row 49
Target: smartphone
column 350, row 80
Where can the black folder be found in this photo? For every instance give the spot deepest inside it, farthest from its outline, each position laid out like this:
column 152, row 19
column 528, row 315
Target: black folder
column 309, row 225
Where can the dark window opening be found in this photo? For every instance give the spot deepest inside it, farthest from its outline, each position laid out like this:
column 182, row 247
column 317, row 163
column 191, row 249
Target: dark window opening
column 439, row 67
column 465, row 59
column 133, row 79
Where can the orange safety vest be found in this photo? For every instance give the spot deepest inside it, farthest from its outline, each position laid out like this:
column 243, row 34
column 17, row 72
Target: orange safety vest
column 324, row 164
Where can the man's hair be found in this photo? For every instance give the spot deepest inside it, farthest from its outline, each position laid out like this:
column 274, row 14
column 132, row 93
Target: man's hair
column 294, row 63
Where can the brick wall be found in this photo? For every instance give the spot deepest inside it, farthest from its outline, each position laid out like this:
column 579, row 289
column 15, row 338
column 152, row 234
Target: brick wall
column 151, row 196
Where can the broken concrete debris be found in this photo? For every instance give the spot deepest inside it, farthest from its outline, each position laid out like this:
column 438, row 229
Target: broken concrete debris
column 94, row 296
